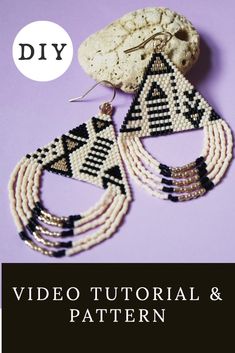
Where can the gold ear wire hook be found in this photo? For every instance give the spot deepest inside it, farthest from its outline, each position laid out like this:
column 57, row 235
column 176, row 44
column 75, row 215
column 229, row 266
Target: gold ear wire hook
column 161, row 44
column 77, row 99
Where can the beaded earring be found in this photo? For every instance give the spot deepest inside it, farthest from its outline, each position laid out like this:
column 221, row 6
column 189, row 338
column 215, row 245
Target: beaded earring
column 165, row 103
column 89, row 153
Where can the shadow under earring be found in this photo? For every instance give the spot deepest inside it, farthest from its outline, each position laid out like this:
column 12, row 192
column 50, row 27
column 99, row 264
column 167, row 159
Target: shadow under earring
column 89, row 153
column 165, row 103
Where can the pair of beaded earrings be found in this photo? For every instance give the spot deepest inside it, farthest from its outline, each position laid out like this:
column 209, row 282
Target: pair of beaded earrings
column 164, row 103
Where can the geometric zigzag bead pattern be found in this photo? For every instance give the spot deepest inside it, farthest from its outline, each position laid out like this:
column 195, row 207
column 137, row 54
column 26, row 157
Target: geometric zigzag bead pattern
column 88, row 153
column 166, row 102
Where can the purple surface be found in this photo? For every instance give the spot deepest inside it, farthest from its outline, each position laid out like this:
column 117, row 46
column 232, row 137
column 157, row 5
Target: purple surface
column 32, row 113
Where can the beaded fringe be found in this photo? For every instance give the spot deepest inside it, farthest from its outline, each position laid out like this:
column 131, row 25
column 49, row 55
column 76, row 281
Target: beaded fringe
column 189, row 181
column 32, row 218
column 89, row 153
column 166, row 102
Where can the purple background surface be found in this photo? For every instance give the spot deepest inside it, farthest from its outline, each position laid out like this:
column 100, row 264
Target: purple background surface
column 33, row 113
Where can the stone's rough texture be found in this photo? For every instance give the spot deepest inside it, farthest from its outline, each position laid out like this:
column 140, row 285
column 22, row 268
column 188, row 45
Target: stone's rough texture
column 102, row 54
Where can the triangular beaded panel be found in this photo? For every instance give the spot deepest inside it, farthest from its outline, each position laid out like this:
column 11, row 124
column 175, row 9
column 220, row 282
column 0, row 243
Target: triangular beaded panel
column 88, row 152
column 166, row 102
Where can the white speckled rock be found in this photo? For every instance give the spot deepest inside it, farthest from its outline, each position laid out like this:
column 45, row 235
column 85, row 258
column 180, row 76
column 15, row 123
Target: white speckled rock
column 102, row 54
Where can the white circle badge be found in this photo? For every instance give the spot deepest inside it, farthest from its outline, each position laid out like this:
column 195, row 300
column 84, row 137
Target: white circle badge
column 42, row 51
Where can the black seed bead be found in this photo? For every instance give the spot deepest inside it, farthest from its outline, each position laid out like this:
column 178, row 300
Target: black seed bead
column 32, row 224
column 209, row 186
column 67, row 233
column 167, row 189
column 39, row 150
column 164, row 166
column 38, row 208
column 75, row 217
column 67, row 224
column 24, row 236
column 28, row 156
column 173, row 198
column 166, row 181
column 33, row 221
column 165, row 173
column 199, row 161
column 177, row 111
column 203, row 165
column 39, row 205
column 67, row 244
column 204, row 180
column 202, row 172
column 206, row 183
column 53, row 145
column 56, row 139
column 59, row 253
column 36, row 211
